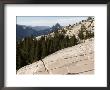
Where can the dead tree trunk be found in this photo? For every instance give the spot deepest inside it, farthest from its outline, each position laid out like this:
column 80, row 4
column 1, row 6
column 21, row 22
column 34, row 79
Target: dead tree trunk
column 45, row 66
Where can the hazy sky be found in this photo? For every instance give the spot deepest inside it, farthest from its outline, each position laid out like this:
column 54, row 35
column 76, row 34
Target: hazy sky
column 48, row 20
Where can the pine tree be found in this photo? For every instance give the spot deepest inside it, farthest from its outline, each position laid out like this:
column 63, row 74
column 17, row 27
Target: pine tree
column 44, row 49
column 81, row 32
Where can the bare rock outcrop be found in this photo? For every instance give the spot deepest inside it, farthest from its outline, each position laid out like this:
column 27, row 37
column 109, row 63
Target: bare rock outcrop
column 78, row 59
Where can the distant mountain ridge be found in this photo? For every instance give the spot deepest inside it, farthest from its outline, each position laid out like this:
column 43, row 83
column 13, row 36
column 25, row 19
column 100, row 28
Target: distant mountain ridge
column 38, row 28
column 23, row 31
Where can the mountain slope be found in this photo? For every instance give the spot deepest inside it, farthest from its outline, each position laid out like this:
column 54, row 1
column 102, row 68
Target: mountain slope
column 78, row 59
column 74, row 29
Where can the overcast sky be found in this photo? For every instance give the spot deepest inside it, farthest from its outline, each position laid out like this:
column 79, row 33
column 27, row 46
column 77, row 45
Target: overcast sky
column 48, row 20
